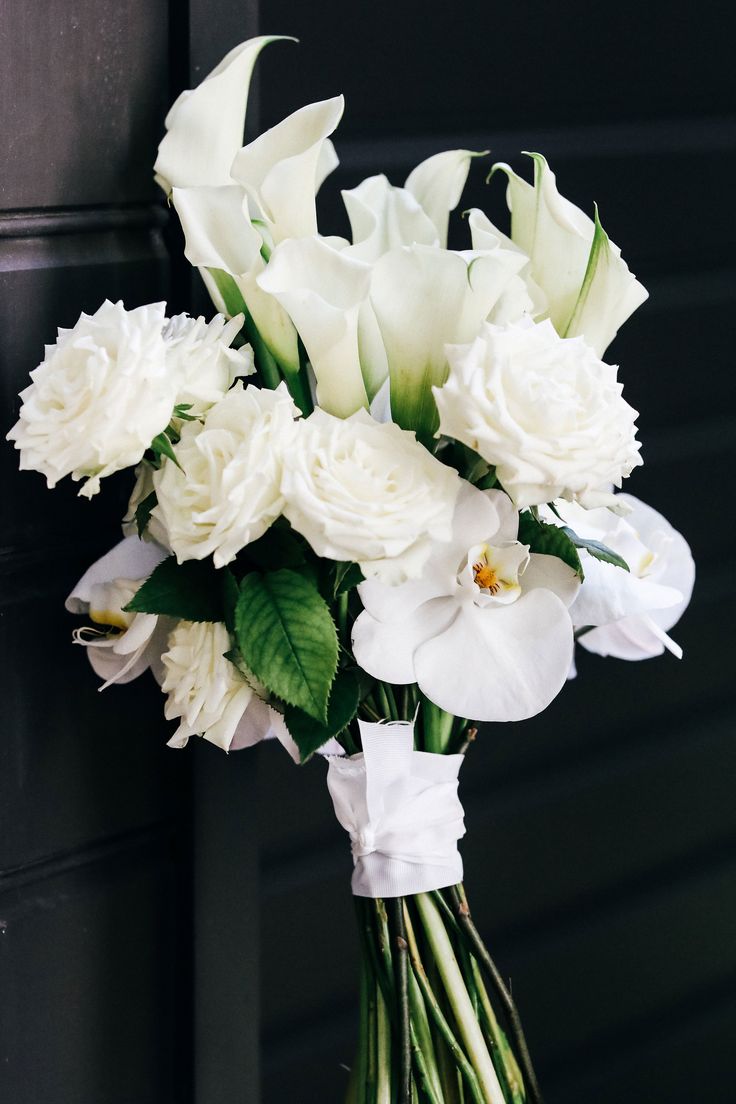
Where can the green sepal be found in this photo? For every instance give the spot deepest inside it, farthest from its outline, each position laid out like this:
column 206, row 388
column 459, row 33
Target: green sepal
column 288, row 639
column 347, row 576
column 191, row 591
column 549, row 540
column 143, row 512
column 181, row 411
column 310, row 735
column 161, row 446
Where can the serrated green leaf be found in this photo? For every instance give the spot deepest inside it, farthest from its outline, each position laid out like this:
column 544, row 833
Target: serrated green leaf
column 143, row 512
column 288, row 638
column 191, row 591
column 549, row 540
column 310, row 735
column 347, row 576
column 597, row 550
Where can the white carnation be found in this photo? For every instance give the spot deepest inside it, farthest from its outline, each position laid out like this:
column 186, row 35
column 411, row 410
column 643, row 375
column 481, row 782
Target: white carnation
column 368, row 492
column 544, row 409
column 227, row 490
column 199, row 353
column 206, row 692
column 100, row 396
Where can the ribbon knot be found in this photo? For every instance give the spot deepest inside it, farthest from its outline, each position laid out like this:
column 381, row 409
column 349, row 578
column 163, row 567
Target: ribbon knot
column 401, row 810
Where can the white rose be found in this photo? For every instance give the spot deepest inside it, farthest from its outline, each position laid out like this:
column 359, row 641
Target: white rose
column 101, row 395
column 631, row 611
column 199, row 353
column 544, row 409
column 120, row 645
column 206, row 692
column 367, row 492
column 227, row 491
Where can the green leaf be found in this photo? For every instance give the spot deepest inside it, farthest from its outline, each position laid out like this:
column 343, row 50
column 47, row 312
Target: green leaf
column 347, row 576
column 597, row 550
column 161, row 446
column 309, row 735
column 191, row 591
column 181, row 410
column 549, row 540
column 143, row 512
column 280, row 546
column 288, row 638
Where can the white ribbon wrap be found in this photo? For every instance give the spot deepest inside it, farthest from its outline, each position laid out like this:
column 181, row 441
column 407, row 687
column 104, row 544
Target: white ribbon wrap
column 402, row 811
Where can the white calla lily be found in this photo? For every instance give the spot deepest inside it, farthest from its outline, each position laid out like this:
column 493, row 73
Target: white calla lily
column 224, row 245
column 204, row 127
column 425, row 298
column 323, row 290
column 522, row 294
column 383, row 217
column 589, row 287
column 282, row 169
column 438, row 183
column 485, row 631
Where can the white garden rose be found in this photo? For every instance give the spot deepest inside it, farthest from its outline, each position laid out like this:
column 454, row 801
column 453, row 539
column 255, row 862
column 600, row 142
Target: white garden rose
column 120, row 645
column 226, row 491
column 544, row 409
column 628, row 614
column 200, row 355
column 98, row 399
column 369, row 493
column 206, row 692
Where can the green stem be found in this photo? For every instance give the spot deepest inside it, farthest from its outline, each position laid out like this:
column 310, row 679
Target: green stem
column 361, row 1063
column 480, row 951
column 436, row 725
column 460, row 1002
column 443, row 1027
column 267, row 367
column 383, row 1050
column 422, row 1044
column 402, row 993
column 511, row 1071
column 432, row 1091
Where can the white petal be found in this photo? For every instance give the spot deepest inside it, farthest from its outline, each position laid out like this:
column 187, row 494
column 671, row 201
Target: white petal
column 323, row 290
column 502, row 663
column 205, row 125
column 282, row 169
column 551, row 573
column 438, row 183
column 132, row 558
column 386, row 651
column 610, row 593
column 383, row 217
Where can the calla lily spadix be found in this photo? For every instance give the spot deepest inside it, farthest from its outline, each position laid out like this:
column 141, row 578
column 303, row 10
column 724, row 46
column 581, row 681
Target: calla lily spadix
column 485, row 632
column 589, row 287
column 204, row 127
column 323, row 291
column 282, row 169
column 223, row 244
column 425, row 298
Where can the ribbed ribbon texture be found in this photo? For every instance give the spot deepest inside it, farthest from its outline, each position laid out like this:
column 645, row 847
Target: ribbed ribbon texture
column 402, row 811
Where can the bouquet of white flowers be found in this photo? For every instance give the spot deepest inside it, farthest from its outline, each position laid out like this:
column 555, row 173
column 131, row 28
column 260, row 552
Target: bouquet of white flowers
column 374, row 506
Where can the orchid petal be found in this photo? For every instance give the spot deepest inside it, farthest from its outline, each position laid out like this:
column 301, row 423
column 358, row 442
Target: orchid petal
column 386, row 650
column 132, row 558
column 282, row 169
column 205, row 124
column 322, row 290
column 550, row 573
column 500, row 666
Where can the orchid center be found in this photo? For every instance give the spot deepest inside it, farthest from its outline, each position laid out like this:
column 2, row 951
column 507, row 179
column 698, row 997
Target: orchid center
column 491, row 573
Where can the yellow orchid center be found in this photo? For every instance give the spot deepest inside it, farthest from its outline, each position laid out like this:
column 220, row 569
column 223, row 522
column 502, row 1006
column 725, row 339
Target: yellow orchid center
column 486, row 577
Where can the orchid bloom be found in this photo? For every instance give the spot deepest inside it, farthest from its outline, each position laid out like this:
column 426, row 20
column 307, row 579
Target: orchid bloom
column 485, row 632
column 125, row 644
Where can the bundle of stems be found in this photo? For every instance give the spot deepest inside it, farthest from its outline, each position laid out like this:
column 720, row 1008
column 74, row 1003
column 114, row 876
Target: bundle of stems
column 432, row 1003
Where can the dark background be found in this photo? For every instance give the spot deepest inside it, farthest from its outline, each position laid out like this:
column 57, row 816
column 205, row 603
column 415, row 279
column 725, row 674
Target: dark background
column 177, row 926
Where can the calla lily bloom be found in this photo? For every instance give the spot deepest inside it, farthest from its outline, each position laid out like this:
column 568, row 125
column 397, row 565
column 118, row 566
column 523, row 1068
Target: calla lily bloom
column 485, row 632
column 204, row 127
column 589, row 287
column 438, row 183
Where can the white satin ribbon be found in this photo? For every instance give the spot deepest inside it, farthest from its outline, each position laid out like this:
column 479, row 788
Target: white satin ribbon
column 402, row 811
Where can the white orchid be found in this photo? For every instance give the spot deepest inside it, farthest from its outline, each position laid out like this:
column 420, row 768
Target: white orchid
column 589, row 287
column 631, row 611
column 485, row 632
column 120, row 645
column 204, row 127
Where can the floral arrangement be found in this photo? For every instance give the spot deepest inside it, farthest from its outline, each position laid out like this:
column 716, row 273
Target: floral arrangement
column 375, row 504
